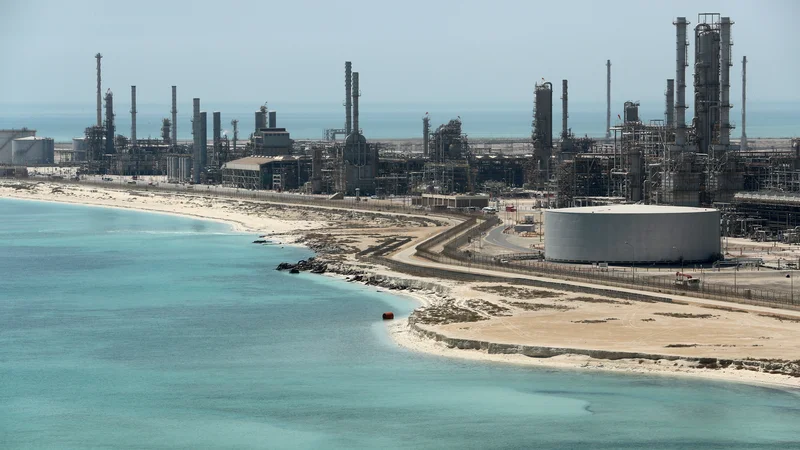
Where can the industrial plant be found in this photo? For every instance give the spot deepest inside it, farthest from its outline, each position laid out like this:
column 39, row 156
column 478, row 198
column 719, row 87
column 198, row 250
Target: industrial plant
column 670, row 160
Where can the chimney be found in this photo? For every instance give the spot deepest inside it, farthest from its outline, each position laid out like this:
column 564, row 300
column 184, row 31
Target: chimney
column 133, row 116
column 217, row 130
column 564, row 114
column 99, row 99
column 743, row 144
column 174, row 116
column 196, row 140
column 356, row 94
column 348, row 106
column 680, row 78
column 608, row 99
column 426, row 131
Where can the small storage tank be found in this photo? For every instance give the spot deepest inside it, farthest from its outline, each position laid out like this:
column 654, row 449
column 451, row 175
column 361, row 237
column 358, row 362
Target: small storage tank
column 632, row 233
column 6, row 137
column 79, row 149
column 32, row 151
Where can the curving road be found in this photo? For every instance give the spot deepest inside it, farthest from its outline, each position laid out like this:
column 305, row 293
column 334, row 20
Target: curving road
column 498, row 238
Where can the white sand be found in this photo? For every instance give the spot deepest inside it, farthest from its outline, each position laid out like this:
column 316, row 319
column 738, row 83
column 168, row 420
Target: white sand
column 289, row 222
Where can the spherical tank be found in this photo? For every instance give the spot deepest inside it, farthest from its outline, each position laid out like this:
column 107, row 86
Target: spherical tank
column 632, row 233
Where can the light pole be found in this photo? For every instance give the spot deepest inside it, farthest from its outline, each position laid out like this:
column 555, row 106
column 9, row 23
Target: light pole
column 633, row 261
column 791, row 289
column 679, row 256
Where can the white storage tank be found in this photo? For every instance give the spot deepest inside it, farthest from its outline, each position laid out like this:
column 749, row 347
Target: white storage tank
column 32, row 150
column 632, row 233
column 6, row 138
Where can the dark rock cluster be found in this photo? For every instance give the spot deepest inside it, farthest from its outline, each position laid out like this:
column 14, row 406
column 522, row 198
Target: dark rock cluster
column 304, row 265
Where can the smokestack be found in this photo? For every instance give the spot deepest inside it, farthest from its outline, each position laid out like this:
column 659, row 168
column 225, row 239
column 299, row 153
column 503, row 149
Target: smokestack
column 273, row 119
column 670, row 113
column 109, row 122
column 133, row 116
column 348, row 106
column 743, row 145
column 426, row 131
column 217, row 130
column 680, row 78
column 174, row 116
column 99, row 99
column 203, row 140
column 356, row 94
column 564, row 114
column 608, row 98
column 725, row 64
column 196, row 140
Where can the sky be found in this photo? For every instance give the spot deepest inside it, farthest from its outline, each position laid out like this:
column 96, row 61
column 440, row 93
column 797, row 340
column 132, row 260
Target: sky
column 420, row 52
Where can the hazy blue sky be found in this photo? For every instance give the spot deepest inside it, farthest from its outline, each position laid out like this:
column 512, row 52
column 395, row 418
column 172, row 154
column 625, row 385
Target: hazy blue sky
column 406, row 51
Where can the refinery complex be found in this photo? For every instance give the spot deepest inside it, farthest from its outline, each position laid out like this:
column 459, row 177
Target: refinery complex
column 673, row 160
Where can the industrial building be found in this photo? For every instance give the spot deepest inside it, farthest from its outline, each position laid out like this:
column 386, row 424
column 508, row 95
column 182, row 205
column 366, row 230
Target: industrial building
column 632, row 234
column 277, row 173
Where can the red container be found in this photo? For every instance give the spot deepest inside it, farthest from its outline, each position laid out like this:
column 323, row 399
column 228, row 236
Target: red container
column 388, row 315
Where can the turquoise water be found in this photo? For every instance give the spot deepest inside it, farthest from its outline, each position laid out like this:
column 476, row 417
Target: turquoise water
column 378, row 121
column 129, row 330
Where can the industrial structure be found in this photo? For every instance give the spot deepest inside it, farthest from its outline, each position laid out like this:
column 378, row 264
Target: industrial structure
column 632, row 234
column 667, row 160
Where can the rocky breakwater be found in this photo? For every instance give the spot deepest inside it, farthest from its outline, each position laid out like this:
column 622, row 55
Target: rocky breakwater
column 312, row 265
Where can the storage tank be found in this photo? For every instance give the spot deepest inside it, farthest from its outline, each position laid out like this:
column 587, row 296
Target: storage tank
column 32, row 151
column 6, row 136
column 79, row 148
column 632, row 233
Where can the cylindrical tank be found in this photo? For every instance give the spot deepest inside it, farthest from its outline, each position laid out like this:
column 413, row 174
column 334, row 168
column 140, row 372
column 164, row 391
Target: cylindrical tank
column 632, row 233
column 631, row 111
column 32, row 150
column 6, row 136
column 79, row 149
column 273, row 119
column 261, row 120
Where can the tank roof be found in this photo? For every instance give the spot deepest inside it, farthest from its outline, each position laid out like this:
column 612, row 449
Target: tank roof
column 33, row 138
column 633, row 209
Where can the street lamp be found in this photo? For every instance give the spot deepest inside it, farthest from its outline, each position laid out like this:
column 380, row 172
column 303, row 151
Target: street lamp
column 633, row 261
column 791, row 289
column 679, row 256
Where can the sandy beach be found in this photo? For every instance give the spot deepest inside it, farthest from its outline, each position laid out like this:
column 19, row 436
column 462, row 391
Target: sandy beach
column 674, row 335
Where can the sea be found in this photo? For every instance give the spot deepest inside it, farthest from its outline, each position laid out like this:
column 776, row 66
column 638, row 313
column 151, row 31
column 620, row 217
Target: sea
column 63, row 122
column 129, row 330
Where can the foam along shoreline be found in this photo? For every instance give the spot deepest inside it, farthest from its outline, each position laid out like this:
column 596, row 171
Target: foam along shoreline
column 407, row 336
column 291, row 223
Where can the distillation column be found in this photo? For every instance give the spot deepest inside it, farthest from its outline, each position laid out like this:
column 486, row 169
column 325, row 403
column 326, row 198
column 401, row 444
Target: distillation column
column 680, row 78
column 133, row 116
column 743, row 144
column 348, row 105
column 670, row 113
column 724, row 81
column 196, row 140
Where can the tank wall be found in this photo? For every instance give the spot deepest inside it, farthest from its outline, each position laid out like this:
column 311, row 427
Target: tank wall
column 6, row 137
column 656, row 237
column 38, row 151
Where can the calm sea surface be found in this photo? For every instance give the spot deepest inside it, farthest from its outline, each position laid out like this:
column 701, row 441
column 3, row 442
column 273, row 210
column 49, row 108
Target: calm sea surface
column 121, row 329
column 378, row 121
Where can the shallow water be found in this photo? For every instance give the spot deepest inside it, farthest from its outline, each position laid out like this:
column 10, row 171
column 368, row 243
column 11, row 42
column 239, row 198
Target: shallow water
column 121, row 329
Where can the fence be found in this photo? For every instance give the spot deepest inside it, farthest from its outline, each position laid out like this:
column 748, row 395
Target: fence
column 453, row 256
column 363, row 203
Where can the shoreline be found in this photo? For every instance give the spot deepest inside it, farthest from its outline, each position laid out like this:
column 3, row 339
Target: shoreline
column 403, row 336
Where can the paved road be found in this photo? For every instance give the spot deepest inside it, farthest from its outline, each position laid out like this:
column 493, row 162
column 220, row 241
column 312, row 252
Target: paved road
column 497, row 237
